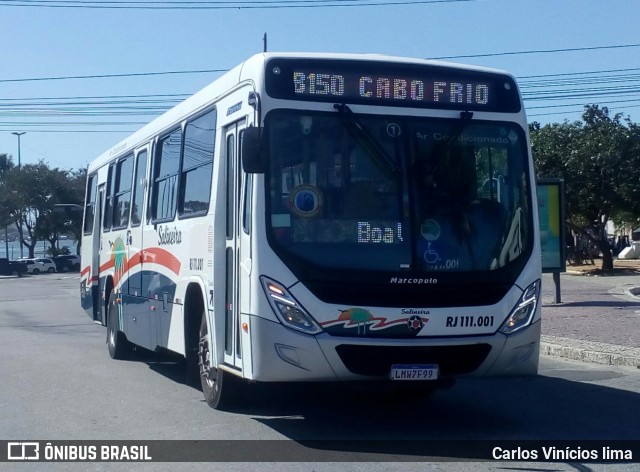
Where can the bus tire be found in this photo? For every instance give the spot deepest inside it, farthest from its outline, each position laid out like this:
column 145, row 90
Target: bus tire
column 194, row 313
column 117, row 343
column 219, row 387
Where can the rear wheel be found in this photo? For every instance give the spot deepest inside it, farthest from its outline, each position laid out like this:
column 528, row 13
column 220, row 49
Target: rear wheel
column 219, row 387
column 192, row 356
column 35, row 271
column 117, row 343
column 51, row 270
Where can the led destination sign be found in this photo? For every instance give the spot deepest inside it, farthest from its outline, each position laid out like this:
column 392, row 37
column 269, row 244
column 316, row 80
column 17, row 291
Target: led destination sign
column 390, row 88
column 392, row 84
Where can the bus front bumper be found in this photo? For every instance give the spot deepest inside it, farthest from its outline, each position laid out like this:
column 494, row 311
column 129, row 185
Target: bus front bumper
column 280, row 354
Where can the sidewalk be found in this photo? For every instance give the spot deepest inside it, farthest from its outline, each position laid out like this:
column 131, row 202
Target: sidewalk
column 598, row 319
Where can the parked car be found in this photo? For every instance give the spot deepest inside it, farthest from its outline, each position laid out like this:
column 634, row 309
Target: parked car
column 67, row 263
column 32, row 266
column 49, row 265
column 8, row 267
column 39, row 264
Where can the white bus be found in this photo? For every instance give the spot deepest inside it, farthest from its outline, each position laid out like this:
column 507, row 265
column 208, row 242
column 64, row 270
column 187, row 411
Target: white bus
column 315, row 217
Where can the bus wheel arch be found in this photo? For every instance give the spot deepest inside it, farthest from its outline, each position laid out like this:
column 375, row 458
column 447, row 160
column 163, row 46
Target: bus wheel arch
column 108, row 288
column 117, row 343
column 201, row 368
column 221, row 389
column 194, row 311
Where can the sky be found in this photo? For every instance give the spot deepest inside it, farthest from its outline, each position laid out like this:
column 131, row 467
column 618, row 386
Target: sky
column 564, row 54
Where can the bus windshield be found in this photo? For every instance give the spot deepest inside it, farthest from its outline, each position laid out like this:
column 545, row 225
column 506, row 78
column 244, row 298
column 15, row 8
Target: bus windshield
column 371, row 192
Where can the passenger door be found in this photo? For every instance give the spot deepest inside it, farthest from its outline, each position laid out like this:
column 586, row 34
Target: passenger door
column 135, row 233
column 235, row 277
column 137, row 319
column 96, row 252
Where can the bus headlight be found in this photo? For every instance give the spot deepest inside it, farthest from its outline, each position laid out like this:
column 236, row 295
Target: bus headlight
column 523, row 312
column 287, row 309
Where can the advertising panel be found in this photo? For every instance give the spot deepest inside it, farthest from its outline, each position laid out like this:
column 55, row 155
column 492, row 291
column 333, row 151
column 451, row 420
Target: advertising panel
column 551, row 215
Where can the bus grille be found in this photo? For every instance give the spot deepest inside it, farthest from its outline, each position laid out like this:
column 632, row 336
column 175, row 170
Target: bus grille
column 377, row 360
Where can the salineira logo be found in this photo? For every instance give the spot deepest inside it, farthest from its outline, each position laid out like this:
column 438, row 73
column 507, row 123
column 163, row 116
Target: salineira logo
column 169, row 236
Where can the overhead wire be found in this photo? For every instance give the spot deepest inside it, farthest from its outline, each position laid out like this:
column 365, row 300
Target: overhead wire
column 595, row 85
column 539, row 51
column 214, row 5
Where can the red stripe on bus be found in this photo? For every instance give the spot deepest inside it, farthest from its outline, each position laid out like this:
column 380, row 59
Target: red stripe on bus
column 154, row 255
column 107, row 265
column 134, row 260
column 163, row 257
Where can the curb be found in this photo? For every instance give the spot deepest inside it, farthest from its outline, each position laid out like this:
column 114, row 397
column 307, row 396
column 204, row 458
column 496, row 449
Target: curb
column 587, row 351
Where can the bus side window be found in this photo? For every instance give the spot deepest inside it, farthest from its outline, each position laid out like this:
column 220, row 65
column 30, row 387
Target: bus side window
column 122, row 194
column 165, row 182
column 138, row 189
column 108, row 201
column 90, row 204
column 197, row 165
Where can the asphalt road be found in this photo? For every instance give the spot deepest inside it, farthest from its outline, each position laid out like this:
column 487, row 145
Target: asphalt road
column 58, row 383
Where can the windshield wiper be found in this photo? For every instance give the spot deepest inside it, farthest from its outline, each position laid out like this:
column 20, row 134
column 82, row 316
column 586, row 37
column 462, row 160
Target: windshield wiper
column 379, row 156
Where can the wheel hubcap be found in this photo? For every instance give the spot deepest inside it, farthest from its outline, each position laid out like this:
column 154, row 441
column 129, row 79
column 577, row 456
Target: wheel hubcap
column 204, row 361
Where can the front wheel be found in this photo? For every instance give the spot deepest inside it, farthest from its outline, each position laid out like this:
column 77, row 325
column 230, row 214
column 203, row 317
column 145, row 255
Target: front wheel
column 117, row 343
column 220, row 388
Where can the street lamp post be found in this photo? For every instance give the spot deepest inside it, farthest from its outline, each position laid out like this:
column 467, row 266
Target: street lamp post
column 18, row 134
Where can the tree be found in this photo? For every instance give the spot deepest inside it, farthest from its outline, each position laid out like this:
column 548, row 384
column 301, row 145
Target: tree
column 600, row 164
column 67, row 213
column 33, row 191
column 9, row 205
column 5, row 201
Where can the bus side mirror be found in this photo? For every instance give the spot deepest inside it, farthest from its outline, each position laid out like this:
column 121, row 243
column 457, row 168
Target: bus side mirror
column 253, row 156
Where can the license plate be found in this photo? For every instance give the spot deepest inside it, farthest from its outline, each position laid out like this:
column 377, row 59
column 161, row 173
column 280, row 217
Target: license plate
column 414, row 372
